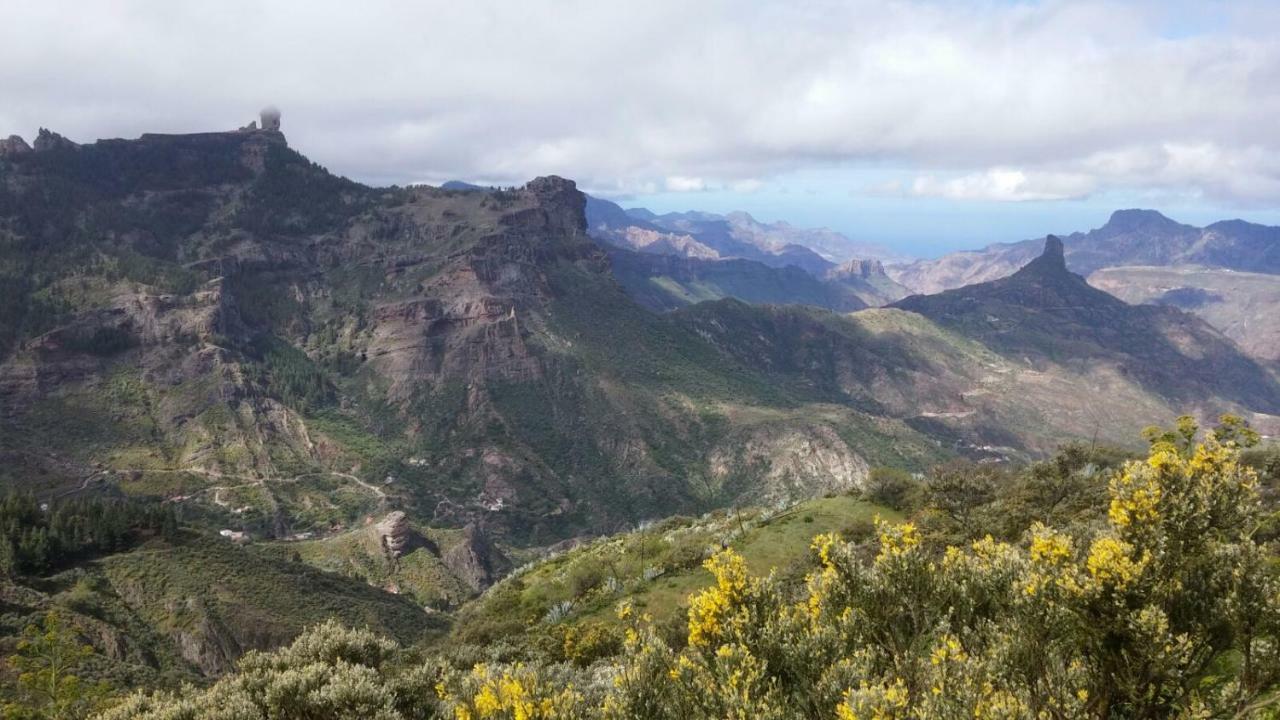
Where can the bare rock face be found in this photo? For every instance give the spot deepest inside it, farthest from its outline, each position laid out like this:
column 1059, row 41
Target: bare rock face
column 49, row 140
column 394, row 533
column 858, row 268
column 470, row 321
column 801, row 461
column 475, row 560
column 14, row 145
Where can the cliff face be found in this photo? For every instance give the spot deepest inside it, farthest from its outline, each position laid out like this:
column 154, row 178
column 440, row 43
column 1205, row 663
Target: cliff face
column 216, row 320
column 213, row 318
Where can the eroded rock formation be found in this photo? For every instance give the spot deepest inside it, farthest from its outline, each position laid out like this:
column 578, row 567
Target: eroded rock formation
column 475, row 560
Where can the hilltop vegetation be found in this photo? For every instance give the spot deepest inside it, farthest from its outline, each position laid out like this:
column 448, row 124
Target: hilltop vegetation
column 283, row 351
column 1156, row 600
column 386, row 399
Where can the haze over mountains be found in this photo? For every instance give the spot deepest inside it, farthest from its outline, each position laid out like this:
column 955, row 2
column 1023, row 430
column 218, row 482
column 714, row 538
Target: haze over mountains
column 736, row 256
column 1143, row 256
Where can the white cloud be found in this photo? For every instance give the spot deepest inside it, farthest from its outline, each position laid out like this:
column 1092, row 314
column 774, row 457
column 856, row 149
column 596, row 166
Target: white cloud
column 677, row 183
column 982, row 99
column 1004, row 184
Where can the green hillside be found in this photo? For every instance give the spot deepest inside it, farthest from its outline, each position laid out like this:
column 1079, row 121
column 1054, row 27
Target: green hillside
column 657, row 567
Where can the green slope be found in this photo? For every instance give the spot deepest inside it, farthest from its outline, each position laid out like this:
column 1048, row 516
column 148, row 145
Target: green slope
column 656, row 567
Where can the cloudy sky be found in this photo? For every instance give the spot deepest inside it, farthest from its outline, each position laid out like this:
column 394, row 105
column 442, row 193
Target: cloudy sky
column 925, row 126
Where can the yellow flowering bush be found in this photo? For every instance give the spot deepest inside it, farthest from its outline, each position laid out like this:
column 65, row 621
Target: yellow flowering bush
column 710, row 610
column 1160, row 605
column 509, row 693
column 886, row 701
column 1111, row 563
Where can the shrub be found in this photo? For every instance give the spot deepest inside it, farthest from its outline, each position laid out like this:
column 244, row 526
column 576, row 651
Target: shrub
column 1165, row 607
column 893, row 488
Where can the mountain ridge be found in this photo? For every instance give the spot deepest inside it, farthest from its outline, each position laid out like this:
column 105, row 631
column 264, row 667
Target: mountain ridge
column 288, row 351
column 737, row 239
column 226, row 323
column 1129, row 237
column 1046, row 311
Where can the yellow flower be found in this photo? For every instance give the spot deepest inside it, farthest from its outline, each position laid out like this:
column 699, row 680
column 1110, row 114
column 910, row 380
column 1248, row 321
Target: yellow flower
column 1110, row 562
column 948, row 648
column 1049, row 547
column 896, row 540
column 1136, row 493
column 486, row 701
column 708, row 609
column 823, row 545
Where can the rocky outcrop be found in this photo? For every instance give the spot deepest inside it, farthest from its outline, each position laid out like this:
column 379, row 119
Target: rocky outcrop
column 475, row 560
column 864, row 269
column 49, row 140
column 1045, row 314
column 794, row 462
column 395, row 534
column 13, row 145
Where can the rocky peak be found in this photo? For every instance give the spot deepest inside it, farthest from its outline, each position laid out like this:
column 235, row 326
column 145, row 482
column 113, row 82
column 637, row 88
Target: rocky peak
column 49, row 140
column 551, row 185
column 858, row 268
column 562, row 205
column 14, row 145
column 1052, row 261
column 556, row 193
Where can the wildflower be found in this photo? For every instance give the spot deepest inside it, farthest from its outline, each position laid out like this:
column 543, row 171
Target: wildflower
column 1136, row 493
column 1049, row 547
column 708, row 609
column 896, row 540
column 1110, row 563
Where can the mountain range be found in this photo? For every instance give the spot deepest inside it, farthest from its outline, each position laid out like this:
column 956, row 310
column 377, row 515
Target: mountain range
column 1129, row 238
column 1226, row 272
column 212, row 317
column 736, row 256
column 417, row 389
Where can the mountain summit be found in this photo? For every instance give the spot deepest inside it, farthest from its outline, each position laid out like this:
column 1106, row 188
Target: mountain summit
column 1046, row 313
column 177, row 309
column 1052, row 261
column 1134, row 219
column 1129, row 238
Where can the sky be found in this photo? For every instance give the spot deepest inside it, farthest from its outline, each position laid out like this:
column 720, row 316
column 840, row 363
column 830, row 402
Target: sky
column 922, row 126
